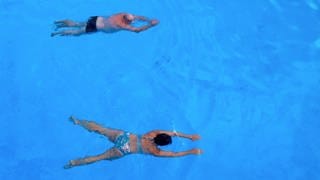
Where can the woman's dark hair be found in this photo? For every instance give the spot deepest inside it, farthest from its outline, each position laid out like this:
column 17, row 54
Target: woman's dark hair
column 162, row 139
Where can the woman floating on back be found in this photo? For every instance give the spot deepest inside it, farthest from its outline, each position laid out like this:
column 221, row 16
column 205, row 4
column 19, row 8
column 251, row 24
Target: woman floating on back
column 126, row 143
column 114, row 23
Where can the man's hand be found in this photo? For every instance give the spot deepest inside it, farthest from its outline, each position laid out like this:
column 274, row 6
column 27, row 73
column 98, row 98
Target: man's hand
column 154, row 22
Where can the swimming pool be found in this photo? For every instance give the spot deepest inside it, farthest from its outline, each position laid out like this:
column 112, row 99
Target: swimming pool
column 244, row 75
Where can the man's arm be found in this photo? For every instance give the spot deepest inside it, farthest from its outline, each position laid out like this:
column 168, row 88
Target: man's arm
column 139, row 29
column 142, row 28
column 142, row 18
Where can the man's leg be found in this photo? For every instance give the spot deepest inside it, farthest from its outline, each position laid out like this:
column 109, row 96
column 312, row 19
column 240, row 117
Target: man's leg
column 110, row 133
column 110, row 154
column 68, row 23
column 75, row 32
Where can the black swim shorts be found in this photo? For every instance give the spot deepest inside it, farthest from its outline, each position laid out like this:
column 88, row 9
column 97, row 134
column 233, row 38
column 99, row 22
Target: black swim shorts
column 91, row 24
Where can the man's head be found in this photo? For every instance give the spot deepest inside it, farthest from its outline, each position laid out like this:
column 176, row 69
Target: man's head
column 129, row 18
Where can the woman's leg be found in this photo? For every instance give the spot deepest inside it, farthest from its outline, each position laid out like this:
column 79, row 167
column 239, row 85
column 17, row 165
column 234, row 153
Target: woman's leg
column 110, row 133
column 110, row 154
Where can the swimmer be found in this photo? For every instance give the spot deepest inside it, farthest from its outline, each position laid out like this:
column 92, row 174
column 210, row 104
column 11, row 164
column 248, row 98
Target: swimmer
column 114, row 23
column 126, row 143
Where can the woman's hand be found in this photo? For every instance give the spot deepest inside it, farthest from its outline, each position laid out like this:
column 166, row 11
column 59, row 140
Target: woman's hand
column 195, row 137
column 196, row 151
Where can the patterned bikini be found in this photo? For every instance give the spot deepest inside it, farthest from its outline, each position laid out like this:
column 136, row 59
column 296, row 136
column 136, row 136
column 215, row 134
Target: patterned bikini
column 122, row 143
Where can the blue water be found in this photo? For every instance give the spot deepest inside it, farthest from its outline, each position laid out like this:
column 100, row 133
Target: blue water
column 244, row 75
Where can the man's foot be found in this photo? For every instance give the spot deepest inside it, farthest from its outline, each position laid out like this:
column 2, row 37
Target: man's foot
column 74, row 120
column 54, row 34
column 69, row 165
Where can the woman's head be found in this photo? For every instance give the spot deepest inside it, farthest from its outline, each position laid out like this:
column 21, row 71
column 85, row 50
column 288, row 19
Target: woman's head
column 162, row 139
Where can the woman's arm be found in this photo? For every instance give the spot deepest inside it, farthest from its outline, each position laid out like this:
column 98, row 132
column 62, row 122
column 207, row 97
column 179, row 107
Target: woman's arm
column 178, row 154
column 179, row 134
column 192, row 137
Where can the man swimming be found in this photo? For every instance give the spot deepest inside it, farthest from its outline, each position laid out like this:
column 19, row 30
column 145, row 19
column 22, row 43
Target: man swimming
column 114, row 23
column 128, row 143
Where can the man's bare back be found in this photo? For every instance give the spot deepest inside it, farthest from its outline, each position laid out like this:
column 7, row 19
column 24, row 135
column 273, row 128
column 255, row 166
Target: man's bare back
column 114, row 23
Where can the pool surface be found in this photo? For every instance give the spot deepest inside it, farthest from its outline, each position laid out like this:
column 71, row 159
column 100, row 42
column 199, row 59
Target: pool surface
column 244, row 75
